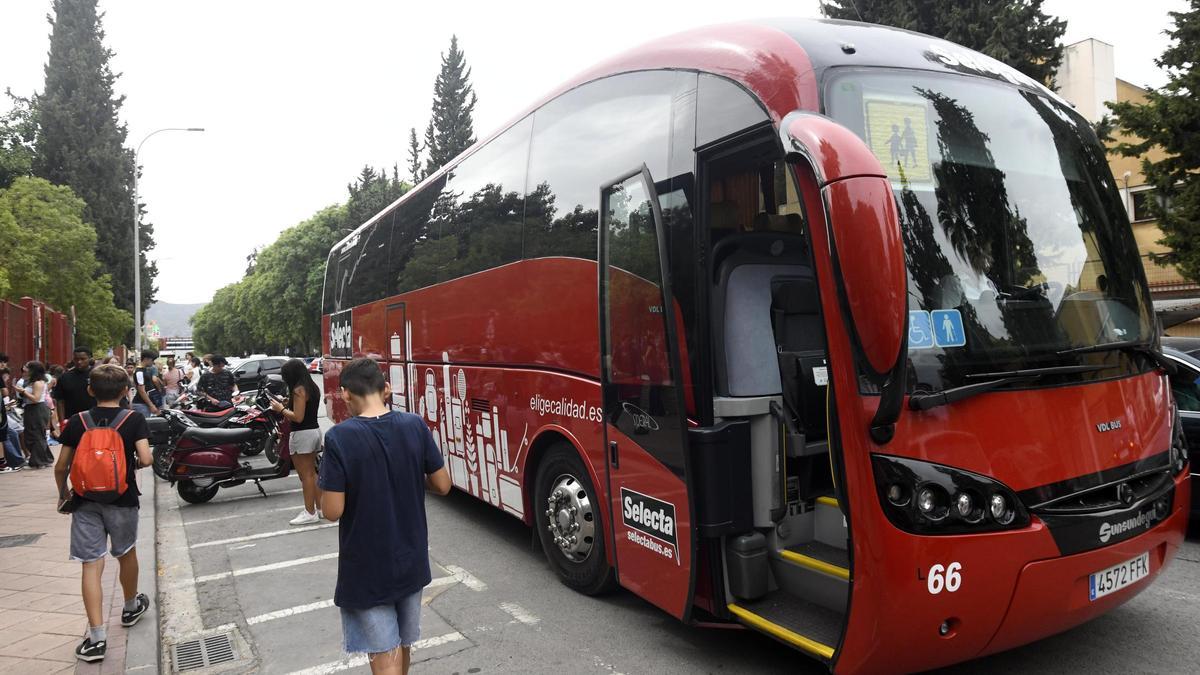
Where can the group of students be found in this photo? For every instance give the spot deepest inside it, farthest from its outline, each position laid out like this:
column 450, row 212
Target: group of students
column 375, row 471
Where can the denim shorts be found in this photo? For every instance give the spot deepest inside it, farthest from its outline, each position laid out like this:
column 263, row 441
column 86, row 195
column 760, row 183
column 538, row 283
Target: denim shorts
column 94, row 526
column 382, row 628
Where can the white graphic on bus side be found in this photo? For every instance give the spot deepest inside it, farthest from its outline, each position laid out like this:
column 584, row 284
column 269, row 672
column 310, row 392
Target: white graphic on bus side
column 470, row 434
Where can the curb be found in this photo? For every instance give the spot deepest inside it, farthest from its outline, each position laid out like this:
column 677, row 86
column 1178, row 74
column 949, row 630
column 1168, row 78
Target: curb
column 144, row 643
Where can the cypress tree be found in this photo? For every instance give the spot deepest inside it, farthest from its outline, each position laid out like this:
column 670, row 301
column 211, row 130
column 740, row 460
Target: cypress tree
column 1016, row 32
column 451, row 129
column 414, row 157
column 1170, row 120
column 81, row 143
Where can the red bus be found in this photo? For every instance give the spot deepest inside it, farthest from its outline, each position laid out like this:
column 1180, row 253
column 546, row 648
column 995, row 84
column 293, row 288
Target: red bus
column 831, row 330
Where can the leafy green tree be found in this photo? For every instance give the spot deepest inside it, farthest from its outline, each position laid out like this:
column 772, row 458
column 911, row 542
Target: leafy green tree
column 50, row 256
column 1016, row 32
column 18, row 131
column 451, row 129
column 414, row 157
column 1170, row 119
column 81, row 143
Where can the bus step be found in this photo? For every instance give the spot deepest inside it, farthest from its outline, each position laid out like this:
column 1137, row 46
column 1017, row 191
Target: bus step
column 811, row 628
column 829, row 560
column 830, row 524
column 817, row 572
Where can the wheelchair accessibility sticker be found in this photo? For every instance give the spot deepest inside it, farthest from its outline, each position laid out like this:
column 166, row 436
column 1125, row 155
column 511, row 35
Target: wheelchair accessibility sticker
column 940, row 328
column 920, row 330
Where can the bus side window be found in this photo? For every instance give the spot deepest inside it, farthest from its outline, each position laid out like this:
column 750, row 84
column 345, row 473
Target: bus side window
column 583, row 139
column 488, row 194
column 415, row 254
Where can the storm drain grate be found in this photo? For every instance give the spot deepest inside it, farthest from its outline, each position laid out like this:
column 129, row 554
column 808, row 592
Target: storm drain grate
column 14, row 540
column 202, row 653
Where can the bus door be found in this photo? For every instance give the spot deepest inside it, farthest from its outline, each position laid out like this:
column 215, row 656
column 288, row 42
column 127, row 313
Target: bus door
column 643, row 404
column 397, row 355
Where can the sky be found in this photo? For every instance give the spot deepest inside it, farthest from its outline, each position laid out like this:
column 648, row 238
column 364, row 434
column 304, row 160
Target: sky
column 296, row 96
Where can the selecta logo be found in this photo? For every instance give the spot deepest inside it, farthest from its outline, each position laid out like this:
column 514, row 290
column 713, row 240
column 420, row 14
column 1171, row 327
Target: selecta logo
column 1141, row 520
column 341, row 334
column 651, row 523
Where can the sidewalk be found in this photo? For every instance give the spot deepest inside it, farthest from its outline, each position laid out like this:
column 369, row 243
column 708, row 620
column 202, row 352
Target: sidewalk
column 41, row 612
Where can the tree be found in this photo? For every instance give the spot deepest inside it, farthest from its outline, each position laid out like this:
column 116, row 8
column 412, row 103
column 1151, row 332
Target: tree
column 1170, row 119
column 18, row 131
column 451, row 129
column 1015, row 32
column 371, row 193
column 49, row 256
column 414, row 157
column 81, row 143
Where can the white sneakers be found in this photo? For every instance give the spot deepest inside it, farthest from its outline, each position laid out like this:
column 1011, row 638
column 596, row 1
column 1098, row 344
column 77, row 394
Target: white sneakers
column 305, row 518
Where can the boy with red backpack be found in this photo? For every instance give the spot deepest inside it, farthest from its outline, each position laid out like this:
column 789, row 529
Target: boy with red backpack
column 102, row 449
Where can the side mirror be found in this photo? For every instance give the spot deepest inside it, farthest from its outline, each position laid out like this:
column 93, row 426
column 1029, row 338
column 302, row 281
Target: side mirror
column 867, row 251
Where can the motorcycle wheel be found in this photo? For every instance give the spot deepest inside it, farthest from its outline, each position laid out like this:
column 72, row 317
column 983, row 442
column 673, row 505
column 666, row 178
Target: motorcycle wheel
column 251, row 449
column 194, row 494
column 162, row 461
column 271, row 447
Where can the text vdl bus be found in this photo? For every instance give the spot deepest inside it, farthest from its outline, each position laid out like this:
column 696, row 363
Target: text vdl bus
column 832, row 330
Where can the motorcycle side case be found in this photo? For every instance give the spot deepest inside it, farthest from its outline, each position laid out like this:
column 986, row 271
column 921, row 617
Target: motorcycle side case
column 200, row 462
column 160, row 430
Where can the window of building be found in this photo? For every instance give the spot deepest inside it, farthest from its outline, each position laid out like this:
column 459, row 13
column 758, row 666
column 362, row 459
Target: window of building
column 1143, row 202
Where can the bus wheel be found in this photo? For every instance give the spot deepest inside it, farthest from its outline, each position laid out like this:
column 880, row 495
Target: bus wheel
column 194, row 494
column 567, row 510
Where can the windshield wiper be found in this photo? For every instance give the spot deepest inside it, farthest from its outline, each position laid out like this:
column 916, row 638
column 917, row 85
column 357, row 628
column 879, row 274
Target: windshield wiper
column 1132, row 346
column 994, row 380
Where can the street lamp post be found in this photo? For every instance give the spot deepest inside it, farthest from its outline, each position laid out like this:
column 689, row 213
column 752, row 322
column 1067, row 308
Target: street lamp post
column 137, row 248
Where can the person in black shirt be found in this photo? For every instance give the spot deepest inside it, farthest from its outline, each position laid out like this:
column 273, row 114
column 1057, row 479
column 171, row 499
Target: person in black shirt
column 70, row 393
column 218, row 384
column 96, row 526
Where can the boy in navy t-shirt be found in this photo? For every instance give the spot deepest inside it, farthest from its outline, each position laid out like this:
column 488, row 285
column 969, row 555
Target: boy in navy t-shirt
column 376, row 468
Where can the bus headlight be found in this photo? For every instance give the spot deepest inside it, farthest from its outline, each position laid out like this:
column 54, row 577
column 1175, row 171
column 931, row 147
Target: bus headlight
column 945, row 500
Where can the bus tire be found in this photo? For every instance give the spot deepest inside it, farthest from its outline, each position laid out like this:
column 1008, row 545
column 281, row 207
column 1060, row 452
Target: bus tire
column 567, row 517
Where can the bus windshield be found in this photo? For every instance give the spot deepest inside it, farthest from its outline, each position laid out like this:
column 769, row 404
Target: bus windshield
column 1018, row 249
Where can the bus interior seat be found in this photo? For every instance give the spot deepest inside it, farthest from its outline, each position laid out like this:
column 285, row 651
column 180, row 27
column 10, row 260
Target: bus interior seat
column 745, row 266
column 800, row 341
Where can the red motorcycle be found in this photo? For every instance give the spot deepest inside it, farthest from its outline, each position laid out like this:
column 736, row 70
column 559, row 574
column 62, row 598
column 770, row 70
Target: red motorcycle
column 200, row 460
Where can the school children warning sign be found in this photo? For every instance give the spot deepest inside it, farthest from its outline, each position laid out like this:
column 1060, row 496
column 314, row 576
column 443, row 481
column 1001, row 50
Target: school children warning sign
column 898, row 134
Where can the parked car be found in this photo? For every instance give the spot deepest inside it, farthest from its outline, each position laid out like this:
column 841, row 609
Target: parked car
column 250, row 372
column 1185, row 385
column 1187, row 345
column 314, row 365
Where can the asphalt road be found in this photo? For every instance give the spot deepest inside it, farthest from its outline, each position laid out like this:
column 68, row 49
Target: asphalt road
column 235, row 566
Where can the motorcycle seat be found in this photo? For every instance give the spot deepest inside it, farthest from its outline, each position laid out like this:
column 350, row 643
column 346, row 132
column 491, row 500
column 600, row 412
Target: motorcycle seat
column 210, row 419
column 218, row 436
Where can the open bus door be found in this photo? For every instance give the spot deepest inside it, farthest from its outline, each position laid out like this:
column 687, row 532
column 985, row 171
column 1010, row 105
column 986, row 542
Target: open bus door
column 645, row 426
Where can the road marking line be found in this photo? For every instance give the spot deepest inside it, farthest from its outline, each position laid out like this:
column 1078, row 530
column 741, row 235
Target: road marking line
column 263, row 535
column 361, row 660
column 248, row 514
column 313, row 606
column 469, row 580
column 238, row 548
column 291, row 611
column 520, row 613
column 443, row 581
column 262, row 568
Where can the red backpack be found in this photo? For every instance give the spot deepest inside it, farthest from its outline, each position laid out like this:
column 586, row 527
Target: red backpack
column 98, row 469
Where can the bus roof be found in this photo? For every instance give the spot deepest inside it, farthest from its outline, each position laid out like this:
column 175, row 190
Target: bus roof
column 780, row 61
